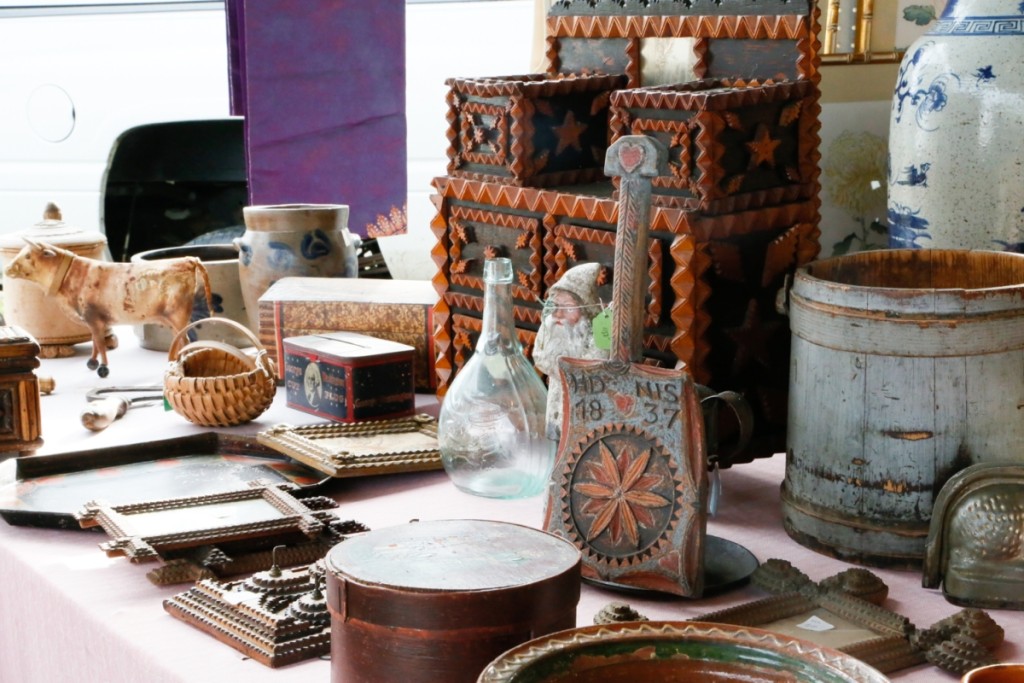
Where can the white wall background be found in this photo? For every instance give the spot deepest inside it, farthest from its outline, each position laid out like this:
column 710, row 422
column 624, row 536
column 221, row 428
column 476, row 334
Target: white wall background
column 72, row 82
column 443, row 40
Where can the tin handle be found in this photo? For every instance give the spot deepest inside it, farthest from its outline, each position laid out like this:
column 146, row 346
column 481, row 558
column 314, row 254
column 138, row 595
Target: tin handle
column 720, row 454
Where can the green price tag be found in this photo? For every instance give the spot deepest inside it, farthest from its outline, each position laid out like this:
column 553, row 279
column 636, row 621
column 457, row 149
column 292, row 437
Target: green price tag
column 603, row 329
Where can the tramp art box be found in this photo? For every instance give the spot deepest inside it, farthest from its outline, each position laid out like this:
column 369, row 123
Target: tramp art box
column 736, row 215
column 401, row 311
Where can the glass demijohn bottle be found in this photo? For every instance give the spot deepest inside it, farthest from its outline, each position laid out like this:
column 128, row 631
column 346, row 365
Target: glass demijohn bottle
column 492, row 419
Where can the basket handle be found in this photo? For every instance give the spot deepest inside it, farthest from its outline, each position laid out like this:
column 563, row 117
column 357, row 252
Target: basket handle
column 182, row 335
column 230, row 350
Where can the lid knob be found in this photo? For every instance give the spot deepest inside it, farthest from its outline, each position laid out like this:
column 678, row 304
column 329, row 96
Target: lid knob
column 51, row 212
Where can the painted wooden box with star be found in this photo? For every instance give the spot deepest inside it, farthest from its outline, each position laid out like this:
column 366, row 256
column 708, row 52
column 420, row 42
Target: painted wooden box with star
column 733, row 145
column 726, row 228
column 712, row 282
column 536, row 129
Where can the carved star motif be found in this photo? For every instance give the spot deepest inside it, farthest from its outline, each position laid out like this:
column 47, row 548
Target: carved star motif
column 762, row 147
column 568, row 248
column 620, row 494
column 753, row 339
column 569, row 133
column 458, row 232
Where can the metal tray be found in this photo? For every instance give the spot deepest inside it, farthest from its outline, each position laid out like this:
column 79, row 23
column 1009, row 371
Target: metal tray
column 727, row 565
column 47, row 490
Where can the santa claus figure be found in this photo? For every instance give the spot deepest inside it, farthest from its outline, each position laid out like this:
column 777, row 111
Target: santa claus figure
column 567, row 331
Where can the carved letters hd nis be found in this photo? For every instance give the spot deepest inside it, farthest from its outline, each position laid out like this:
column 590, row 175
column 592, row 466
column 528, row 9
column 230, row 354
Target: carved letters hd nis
column 629, row 485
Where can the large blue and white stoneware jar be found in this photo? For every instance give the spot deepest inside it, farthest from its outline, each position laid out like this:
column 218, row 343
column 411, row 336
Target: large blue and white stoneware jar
column 292, row 240
column 956, row 132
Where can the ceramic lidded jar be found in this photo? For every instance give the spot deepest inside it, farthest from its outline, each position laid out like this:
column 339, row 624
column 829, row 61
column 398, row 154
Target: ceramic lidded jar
column 302, row 240
column 956, row 132
column 27, row 305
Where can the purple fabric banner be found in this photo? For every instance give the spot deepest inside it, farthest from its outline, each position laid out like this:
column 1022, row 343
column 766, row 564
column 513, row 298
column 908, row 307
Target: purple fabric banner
column 322, row 84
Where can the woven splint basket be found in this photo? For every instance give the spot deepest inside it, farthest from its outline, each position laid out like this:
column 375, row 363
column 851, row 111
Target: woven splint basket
column 214, row 384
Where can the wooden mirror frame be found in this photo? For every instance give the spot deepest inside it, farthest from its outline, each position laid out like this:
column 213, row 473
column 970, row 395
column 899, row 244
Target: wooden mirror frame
column 321, row 446
column 284, row 514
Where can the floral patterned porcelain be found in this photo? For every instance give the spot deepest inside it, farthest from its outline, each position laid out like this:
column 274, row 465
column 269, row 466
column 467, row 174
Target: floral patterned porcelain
column 956, row 142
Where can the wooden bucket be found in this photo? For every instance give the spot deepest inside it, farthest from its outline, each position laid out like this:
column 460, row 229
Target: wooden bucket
column 906, row 366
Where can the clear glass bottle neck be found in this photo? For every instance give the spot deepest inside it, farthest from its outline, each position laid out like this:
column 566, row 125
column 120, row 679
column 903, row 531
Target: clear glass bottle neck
column 498, row 329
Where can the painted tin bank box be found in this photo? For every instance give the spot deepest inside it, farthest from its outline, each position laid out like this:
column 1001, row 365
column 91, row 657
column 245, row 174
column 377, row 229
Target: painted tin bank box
column 347, row 376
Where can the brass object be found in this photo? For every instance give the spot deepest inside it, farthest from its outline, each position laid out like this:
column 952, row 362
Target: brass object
column 828, row 43
column 861, row 49
column 976, row 536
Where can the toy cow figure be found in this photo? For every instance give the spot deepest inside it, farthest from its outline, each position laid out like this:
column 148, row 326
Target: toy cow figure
column 103, row 293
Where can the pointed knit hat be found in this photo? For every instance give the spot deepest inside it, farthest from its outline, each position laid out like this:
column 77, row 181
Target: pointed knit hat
column 581, row 281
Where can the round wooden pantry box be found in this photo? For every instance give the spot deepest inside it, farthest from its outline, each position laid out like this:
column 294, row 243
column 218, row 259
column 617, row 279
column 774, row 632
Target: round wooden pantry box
column 437, row 601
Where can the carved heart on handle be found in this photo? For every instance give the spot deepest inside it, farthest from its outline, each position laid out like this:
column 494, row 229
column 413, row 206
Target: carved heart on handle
column 631, row 156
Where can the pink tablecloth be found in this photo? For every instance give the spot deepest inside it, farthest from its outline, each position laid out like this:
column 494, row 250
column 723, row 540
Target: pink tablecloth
column 70, row 613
